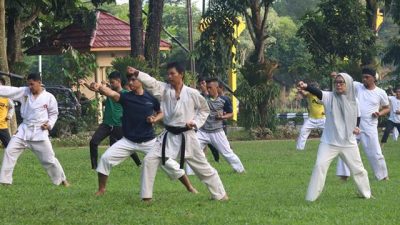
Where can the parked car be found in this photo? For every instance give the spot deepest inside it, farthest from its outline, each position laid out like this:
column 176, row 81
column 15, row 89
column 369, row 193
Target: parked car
column 69, row 111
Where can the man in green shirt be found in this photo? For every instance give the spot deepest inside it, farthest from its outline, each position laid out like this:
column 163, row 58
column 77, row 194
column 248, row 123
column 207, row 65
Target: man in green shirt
column 111, row 126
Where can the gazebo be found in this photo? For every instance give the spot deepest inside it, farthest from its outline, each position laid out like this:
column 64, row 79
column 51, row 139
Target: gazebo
column 110, row 38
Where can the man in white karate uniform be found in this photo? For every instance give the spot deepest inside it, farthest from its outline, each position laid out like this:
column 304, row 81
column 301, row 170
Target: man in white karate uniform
column 39, row 112
column 184, row 110
column 374, row 103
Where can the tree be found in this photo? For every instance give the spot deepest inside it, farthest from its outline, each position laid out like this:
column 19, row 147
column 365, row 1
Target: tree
column 294, row 8
column 136, row 25
column 257, row 92
column 21, row 15
column 153, row 30
column 338, row 31
column 213, row 50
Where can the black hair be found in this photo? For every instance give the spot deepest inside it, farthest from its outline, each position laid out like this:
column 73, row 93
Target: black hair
column 212, row 79
column 34, row 76
column 397, row 88
column 178, row 66
column 369, row 70
column 115, row 75
column 201, row 78
column 2, row 81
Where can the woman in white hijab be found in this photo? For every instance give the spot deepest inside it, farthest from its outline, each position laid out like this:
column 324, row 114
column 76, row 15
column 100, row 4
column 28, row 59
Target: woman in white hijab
column 338, row 137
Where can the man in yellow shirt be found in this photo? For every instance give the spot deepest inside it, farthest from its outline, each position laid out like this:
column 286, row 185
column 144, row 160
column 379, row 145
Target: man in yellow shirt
column 6, row 112
column 316, row 117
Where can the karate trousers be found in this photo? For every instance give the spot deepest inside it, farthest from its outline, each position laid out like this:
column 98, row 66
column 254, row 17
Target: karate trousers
column 351, row 155
column 220, row 142
column 124, row 148
column 43, row 151
column 199, row 164
column 306, row 129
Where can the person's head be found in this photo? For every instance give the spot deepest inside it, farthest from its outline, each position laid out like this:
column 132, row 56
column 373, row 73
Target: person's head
column 314, row 84
column 115, row 80
column 212, row 87
column 2, row 81
column 340, row 84
column 134, row 84
column 397, row 91
column 202, row 84
column 175, row 73
column 368, row 77
column 34, row 82
column 221, row 88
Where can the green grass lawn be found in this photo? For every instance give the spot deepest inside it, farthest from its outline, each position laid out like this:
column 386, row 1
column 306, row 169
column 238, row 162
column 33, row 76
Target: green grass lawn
column 271, row 192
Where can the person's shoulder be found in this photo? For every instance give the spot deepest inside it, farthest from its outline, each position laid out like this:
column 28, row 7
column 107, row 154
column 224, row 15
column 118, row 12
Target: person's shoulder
column 147, row 94
column 192, row 91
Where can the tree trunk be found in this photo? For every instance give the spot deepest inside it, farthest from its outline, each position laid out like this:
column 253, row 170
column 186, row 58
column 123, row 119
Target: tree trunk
column 3, row 55
column 136, row 24
column 152, row 41
column 371, row 8
column 15, row 32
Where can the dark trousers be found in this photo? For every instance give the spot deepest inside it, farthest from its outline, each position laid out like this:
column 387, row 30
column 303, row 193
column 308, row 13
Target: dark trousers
column 389, row 127
column 115, row 133
column 4, row 137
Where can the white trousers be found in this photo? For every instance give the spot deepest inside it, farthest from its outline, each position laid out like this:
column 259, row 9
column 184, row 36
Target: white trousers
column 221, row 143
column 198, row 162
column 370, row 142
column 395, row 134
column 123, row 148
column 306, row 129
column 326, row 153
column 43, row 151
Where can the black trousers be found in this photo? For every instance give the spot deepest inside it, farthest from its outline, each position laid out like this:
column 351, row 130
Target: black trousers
column 115, row 133
column 4, row 137
column 389, row 127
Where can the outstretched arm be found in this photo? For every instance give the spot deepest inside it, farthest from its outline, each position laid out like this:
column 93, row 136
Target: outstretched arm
column 13, row 92
column 104, row 90
column 315, row 91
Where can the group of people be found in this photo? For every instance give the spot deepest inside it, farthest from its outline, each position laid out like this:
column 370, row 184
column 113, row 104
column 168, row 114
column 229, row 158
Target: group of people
column 349, row 115
column 194, row 119
column 191, row 119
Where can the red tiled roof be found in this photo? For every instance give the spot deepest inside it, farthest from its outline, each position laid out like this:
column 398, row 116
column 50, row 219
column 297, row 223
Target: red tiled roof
column 110, row 32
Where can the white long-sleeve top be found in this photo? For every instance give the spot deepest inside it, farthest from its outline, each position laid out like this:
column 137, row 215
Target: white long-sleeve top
column 191, row 106
column 34, row 111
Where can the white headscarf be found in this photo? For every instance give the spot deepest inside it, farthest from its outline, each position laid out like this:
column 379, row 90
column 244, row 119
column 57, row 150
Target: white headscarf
column 345, row 109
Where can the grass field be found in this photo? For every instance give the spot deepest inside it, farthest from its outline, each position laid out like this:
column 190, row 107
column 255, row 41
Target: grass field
column 271, row 192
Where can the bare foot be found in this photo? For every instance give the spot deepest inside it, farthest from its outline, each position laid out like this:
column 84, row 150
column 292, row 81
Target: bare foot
column 65, row 183
column 193, row 190
column 100, row 192
column 5, row 184
column 385, row 179
column 343, row 178
column 225, row 198
column 146, row 200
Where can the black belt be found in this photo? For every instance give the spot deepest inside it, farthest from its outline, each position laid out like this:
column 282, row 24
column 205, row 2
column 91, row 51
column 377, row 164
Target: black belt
column 176, row 131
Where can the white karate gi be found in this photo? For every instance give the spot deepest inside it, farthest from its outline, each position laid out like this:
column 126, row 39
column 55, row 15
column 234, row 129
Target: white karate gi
column 370, row 102
column 35, row 113
column 191, row 106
